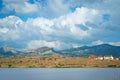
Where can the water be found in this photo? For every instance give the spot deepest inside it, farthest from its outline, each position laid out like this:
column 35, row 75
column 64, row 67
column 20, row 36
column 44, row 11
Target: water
column 60, row 74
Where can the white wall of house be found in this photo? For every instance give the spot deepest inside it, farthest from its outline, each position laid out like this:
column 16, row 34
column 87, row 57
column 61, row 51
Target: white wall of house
column 104, row 58
column 108, row 57
column 99, row 58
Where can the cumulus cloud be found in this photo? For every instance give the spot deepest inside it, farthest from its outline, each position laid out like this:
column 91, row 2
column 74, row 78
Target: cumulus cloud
column 65, row 26
column 58, row 7
column 7, row 35
column 42, row 43
column 82, row 26
column 98, row 42
column 115, row 43
column 8, row 28
column 63, row 29
column 109, row 7
column 10, row 22
column 4, row 30
column 53, row 8
column 19, row 6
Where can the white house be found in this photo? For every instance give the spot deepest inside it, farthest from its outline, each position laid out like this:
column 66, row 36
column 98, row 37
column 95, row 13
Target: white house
column 108, row 57
column 99, row 58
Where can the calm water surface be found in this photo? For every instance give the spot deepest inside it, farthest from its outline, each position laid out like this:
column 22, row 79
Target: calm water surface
column 59, row 73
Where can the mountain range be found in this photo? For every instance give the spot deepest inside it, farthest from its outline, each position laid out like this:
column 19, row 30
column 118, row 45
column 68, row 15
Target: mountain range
column 84, row 51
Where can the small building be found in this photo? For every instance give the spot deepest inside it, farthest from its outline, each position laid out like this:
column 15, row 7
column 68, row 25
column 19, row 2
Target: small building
column 117, row 58
column 108, row 57
column 99, row 58
column 92, row 56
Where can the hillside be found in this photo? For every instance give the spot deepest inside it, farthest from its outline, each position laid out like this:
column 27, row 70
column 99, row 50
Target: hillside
column 39, row 52
column 104, row 49
column 57, row 62
column 7, row 52
column 84, row 51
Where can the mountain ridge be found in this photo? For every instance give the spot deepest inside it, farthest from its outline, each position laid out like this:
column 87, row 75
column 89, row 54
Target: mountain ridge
column 83, row 51
column 102, row 49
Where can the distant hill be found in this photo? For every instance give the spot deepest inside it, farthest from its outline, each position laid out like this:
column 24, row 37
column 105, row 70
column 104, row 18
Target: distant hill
column 39, row 52
column 6, row 52
column 84, row 51
column 43, row 52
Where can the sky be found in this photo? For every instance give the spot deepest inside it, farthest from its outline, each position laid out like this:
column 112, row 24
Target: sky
column 59, row 24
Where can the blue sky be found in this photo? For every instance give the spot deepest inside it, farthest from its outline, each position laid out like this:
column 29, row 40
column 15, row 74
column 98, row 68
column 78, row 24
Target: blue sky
column 60, row 24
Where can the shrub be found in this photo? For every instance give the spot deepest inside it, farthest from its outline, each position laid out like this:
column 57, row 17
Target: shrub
column 9, row 65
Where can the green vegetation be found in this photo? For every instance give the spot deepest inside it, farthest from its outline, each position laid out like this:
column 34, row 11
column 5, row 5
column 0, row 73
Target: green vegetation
column 9, row 66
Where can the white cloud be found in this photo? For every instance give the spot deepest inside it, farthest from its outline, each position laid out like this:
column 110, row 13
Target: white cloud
column 7, row 35
column 42, row 24
column 115, row 43
column 9, row 28
column 79, row 33
column 4, row 30
column 63, row 32
column 110, row 7
column 42, row 43
column 98, row 42
column 64, row 28
column 10, row 22
column 57, row 7
column 67, row 28
column 20, row 6
column 82, row 26
column 80, row 16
